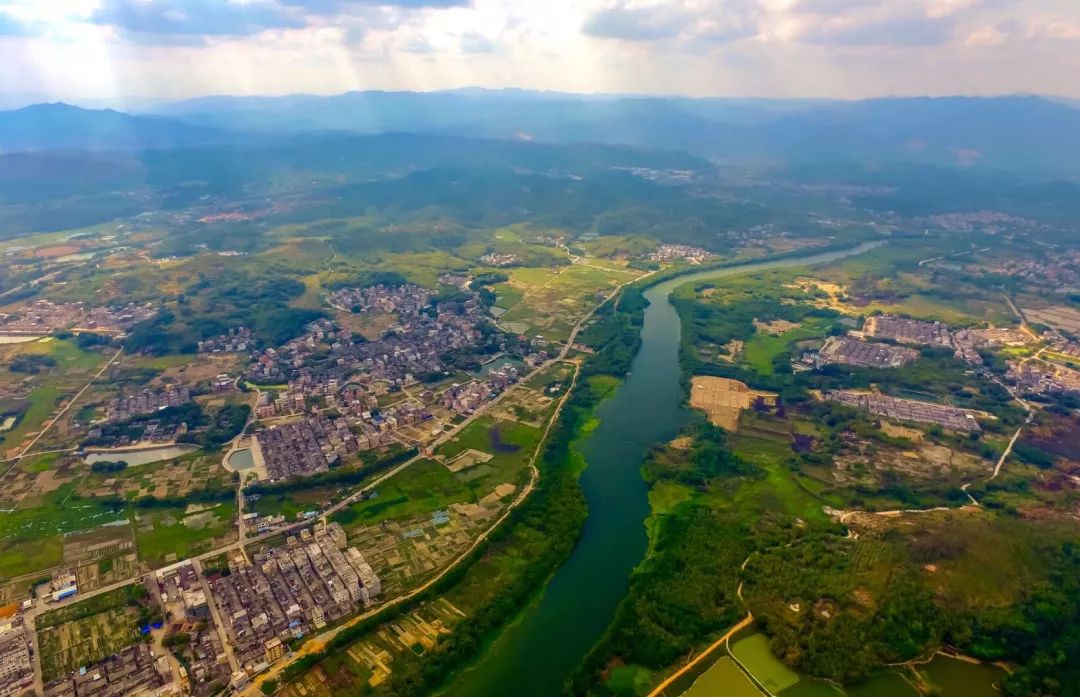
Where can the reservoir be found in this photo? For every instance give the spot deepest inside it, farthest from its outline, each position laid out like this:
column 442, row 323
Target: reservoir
column 535, row 656
column 140, row 456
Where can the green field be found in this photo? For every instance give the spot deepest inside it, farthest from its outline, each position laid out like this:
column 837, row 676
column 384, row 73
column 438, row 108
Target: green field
column 755, row 654
column 760, row 351
column 42, row 402
column 723, row 679
column 422, row 487
column 32, row 538
column 428, row 485
column 23, row 556
column 161, row 532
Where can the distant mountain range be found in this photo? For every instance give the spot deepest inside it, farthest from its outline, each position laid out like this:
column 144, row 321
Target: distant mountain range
column 1029, row 134
column 65, row 127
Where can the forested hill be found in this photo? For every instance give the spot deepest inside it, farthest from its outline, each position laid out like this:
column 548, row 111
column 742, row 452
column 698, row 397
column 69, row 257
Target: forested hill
column 328, row 157
column 1018, row 133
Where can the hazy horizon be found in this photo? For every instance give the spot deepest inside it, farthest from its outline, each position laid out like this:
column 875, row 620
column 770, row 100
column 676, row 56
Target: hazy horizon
column 141, row 104
column 135, row 52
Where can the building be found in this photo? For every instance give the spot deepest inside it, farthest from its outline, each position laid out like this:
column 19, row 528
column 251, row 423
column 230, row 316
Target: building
column 274, row 650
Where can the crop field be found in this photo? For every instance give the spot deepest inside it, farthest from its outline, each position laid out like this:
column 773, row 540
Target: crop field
column 510, row 445
column 723, row 399
column 1057, row 316
column 85, row 632
column 32, row 538
column 553, row 302
column 82, row 642
column 166, row 478
column 38, row 407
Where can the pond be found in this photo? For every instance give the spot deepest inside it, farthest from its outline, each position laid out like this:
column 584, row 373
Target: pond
column 497, row 364
column 139, row 456
column 241, row 459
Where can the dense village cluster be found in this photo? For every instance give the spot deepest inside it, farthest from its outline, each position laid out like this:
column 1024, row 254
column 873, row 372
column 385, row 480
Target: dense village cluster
column 987, row 221
column 16, row 669
column 305, row 447
column 856, row 351
column 412, row 348
column 237, row 340
column 672, row 252
column 183, row 595
column 964, row 342
column 407, row 299
column 1043, row 378
column 147, row 402
column 290, row 591
column 1060, row 272
column 44, row 316
column 907, row 409
column 862, row 354
column 497, row 259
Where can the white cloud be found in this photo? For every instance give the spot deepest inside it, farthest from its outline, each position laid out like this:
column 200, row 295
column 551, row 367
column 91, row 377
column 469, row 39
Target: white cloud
column 842, row 48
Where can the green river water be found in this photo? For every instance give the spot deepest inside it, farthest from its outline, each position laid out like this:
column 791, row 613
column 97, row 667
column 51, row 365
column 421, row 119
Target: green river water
column 535, row 656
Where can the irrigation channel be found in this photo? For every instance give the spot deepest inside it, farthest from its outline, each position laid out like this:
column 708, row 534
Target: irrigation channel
column 535, row 655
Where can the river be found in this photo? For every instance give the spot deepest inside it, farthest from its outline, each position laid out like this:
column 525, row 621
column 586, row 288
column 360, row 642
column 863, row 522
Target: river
column 535, row 656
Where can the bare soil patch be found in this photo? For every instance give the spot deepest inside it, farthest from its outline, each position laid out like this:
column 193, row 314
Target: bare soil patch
column 723, row 399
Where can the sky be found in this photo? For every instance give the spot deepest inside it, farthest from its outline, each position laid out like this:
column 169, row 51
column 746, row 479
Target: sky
column 131, row 52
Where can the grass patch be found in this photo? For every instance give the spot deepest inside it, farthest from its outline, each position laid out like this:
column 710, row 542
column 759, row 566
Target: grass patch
column 162, row 532
column 763, row 349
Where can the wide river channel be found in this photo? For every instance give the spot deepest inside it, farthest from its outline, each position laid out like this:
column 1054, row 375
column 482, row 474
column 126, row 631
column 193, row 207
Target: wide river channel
column 535, row 656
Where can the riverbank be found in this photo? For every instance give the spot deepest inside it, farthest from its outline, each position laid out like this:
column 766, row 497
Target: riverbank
column 579, row 602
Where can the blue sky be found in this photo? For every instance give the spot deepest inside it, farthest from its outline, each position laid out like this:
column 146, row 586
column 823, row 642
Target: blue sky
column 126, row 51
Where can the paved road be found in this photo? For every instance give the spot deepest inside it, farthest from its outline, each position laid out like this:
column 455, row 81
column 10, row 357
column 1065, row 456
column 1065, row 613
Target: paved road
column 722, row 641
column 211, row 603
column 41, row 607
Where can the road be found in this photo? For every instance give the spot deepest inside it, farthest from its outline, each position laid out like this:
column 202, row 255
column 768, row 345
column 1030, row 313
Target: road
column 722, row 641
column 41, row 279
column 950, row 256
column 319, row 642
column 60, row 414
column 211, row 603
column 41, row 607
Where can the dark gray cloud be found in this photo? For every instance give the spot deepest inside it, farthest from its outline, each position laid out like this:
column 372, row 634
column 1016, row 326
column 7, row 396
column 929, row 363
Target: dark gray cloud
column 833, row 7
column 724, row 21
column 637, row 23
column 195, row 18
column 895, row 31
